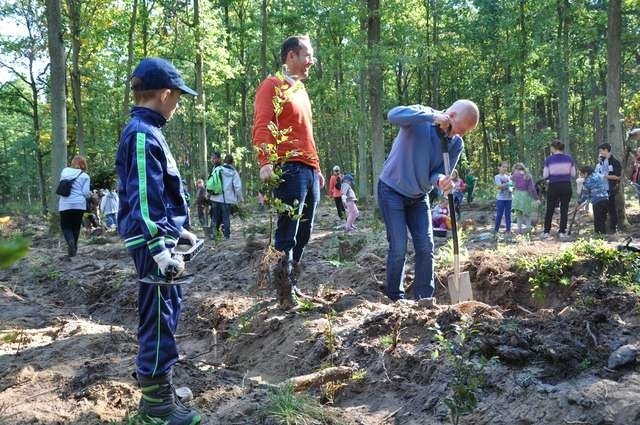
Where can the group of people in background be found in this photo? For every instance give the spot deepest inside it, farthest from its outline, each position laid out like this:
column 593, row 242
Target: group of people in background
column 597, row 185
column 94, row 208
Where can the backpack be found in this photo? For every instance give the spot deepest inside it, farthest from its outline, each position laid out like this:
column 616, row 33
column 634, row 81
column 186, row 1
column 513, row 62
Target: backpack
column 338, row 184
column 214, row 182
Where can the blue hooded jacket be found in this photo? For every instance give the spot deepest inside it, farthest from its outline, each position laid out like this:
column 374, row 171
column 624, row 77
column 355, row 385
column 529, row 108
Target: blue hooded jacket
column 153, row 208
column 594, row 189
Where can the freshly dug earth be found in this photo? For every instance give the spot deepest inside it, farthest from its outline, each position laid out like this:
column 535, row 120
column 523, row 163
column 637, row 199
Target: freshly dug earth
column 68, row 334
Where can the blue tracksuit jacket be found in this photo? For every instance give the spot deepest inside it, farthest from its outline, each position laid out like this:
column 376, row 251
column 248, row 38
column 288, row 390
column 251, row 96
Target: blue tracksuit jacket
column 153, row 208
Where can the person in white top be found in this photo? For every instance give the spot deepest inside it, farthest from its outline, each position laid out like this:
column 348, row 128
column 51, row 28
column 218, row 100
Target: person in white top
column 72, row 207
column 109, row 207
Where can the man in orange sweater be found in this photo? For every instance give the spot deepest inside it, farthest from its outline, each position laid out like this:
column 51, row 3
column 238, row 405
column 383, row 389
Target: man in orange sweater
column 302, row 178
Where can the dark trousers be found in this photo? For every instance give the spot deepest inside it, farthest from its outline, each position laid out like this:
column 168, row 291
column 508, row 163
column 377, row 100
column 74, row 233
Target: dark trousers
column 600, row 216
column 613, row 213
column 203, row 215
column 220, row 215
column 300, row 189
column 339, row 206
column 470, row 194
column 70, row 223
column 559, row 192
column 158, row 313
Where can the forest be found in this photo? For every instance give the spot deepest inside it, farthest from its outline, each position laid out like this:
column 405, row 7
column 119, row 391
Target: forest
column 549, row 333
column 539, row 70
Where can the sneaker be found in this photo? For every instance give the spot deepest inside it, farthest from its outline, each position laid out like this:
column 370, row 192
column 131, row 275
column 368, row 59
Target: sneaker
column 545, row 235
column 563, row 236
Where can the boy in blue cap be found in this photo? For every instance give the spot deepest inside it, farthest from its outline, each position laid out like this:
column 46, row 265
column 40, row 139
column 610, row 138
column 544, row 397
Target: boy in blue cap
column 151, row 219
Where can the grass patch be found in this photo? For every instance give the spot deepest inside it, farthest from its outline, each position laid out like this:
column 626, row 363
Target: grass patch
column 288, row 408
column 136, row 418
column 98, row 240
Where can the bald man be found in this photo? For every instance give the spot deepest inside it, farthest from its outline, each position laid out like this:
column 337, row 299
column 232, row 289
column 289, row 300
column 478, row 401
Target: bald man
column 415, row 165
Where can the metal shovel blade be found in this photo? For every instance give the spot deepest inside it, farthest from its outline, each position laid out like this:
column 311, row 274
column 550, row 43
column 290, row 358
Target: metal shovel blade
column 460, row 288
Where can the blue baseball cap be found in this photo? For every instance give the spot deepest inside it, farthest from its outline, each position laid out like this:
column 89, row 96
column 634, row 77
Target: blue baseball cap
column 158, row 73
column 347, row 177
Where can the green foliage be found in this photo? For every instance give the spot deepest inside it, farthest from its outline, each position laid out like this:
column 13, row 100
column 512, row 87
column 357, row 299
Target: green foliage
column 618, row 268
column 136, row 418
column 387, row 341
column 12, row 250
column 511, row 68
column 288, row 408
column 548, row 270
column 585, row 364
column 467, row 375
column 444, row 256
column 305, row 305
column 329, row 334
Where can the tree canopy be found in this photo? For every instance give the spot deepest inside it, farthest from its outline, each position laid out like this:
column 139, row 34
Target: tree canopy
column 538, row 70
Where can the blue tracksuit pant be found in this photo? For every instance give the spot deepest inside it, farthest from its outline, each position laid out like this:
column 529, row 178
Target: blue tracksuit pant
column 158, row 310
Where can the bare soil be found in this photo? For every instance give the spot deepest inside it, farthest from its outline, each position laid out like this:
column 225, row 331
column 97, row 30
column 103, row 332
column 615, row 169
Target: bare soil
column 68, row 333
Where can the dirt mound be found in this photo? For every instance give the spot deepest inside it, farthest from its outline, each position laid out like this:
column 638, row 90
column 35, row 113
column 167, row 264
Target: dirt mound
column 68, row 336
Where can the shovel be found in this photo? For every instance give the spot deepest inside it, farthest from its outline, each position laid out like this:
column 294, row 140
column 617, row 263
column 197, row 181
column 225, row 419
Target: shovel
column 459, row 284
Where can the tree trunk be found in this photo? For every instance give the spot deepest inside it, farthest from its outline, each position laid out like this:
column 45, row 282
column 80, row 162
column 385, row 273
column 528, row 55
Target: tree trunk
column 127, row 88
column 563, row 72
column 363, row 152
column 74, row 7
column 375, row 90
column 521, row 85
column 614, row 125
column 58, row 96
column 263, row 41
column 436, row 63
column 201, row 105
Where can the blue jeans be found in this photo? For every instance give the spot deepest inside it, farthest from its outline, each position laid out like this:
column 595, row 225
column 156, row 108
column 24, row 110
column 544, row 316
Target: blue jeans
column 220, row 215
column 300, row 189
column 400, row 213
column 504, row 208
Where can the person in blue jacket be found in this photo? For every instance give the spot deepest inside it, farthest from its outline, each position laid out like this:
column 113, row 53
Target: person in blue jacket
column 151, row 219
column 595, row 189
column 415, row 165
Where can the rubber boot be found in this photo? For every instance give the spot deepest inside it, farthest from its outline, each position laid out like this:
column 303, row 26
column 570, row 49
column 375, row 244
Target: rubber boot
column 159, row 401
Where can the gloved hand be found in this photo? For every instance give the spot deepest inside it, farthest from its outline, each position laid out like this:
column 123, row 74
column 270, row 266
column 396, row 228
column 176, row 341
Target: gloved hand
column 165, row 261
column 189, row 236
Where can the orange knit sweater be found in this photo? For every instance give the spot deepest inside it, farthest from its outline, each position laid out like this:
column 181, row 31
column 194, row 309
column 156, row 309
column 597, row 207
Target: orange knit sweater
column 296, row 114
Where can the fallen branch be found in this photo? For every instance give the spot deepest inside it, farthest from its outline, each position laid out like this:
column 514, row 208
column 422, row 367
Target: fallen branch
column 389, row 416
column 95, row 272
column 301, row 383
column 595, row 340
column 524, row 309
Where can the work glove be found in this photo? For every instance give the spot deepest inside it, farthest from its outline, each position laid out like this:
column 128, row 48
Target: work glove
column 189, row 236
column 166, row 261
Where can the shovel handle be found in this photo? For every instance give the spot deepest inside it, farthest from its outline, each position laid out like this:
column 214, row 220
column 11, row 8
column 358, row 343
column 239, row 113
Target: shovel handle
column 444, row 144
